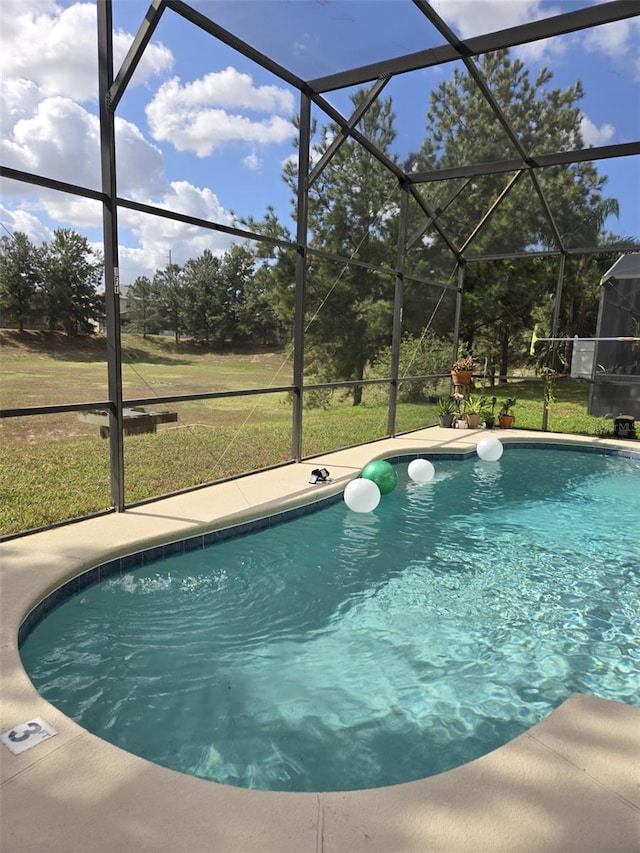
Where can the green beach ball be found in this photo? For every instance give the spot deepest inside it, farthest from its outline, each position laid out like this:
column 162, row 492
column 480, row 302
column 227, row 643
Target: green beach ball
column 383, row 474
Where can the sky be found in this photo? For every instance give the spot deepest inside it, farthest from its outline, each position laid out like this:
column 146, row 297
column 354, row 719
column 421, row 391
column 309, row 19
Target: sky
column 204, row 131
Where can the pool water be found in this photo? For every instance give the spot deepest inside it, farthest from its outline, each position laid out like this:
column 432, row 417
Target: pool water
column 344, row 650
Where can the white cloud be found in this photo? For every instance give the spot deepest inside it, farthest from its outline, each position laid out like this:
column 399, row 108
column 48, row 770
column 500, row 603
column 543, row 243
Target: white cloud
column 135, row 262
column 230, row 88
column 195, row 116
column 304, row 43
column 62, row 140
column 203, row 132
column 475, row 17
column 22, row 220
column 619, row 41
column 48, row 61
column 549, row 52
column 140, row 164
column 613, row 38
column 19, row 99
column 593, row 135
column 69, row 211
column 55, row 47
column 252, row 162
column 203, row 203
column 157, row 236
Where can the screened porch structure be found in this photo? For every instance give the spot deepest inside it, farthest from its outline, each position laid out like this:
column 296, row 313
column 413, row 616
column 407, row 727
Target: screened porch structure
column 424, row 203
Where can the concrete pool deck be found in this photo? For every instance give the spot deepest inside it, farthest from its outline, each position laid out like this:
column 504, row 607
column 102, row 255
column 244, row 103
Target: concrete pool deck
column 568, row 785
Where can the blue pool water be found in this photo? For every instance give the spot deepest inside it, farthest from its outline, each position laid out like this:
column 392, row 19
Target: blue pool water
column 345, row 650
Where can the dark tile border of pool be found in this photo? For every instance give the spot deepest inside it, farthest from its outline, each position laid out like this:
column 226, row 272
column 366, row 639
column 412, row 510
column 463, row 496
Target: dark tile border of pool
column 146, row 557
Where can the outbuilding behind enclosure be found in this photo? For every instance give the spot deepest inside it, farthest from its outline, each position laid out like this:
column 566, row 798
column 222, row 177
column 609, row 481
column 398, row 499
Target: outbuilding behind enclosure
column 615, row 384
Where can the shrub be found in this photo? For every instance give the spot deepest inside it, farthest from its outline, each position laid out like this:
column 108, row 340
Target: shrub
column 424, row 356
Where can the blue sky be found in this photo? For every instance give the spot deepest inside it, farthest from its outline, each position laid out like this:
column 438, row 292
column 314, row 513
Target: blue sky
column 203, row 130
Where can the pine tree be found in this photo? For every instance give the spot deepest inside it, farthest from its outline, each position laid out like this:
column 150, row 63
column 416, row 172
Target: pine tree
column 19, row 277
column 70, row 274
column 351, row 214
column 168, row 285
column 143, row 308
column 461, row 128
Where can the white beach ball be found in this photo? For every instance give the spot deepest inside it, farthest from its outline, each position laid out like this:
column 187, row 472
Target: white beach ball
column 421, row 470
column 362, row 495
column 489, row 449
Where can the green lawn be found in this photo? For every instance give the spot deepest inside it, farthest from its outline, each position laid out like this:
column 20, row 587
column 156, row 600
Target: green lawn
column 567, row 413
column 55, row 467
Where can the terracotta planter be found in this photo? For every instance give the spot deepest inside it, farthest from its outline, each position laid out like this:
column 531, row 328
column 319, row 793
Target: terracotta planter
column 461, row 377
column 473, row 421
column 506, row 421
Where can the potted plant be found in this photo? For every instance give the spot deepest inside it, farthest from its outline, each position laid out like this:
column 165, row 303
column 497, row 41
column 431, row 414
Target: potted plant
column 488, row 414
column 461, row 370
column 472, row 411
column 446, row 408
column 505, row 415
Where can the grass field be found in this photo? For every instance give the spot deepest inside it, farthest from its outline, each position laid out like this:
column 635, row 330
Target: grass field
column 55, row 467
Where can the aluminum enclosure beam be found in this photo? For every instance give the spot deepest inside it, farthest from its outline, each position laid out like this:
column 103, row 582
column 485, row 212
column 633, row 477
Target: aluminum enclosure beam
column 495, row 107
column 135, row 52
column 110, row 237
column 496, row 204
column 209, row 26
column 202, row 223
column 351, row 124
column 398, row 305
column 111, row 91
column 555, row 321
column 550, row 253
column 437, row 213
column 458, row 315
column 301, row 275
column 537, row 161
column 50, row 183
column 544, row 28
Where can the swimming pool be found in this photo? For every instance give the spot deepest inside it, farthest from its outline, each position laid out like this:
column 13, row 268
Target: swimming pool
column 345, row 651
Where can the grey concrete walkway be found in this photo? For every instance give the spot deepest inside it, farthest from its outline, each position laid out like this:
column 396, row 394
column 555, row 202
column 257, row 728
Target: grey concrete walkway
column 569, row 785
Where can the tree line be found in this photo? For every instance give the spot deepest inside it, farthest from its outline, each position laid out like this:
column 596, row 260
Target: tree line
column 54, row 284
column 248, row 293
column 220, row 301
